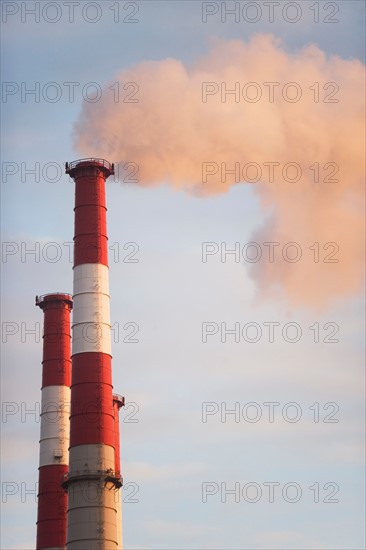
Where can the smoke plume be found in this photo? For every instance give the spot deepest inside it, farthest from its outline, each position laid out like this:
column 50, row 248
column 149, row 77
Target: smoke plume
column 289, row 124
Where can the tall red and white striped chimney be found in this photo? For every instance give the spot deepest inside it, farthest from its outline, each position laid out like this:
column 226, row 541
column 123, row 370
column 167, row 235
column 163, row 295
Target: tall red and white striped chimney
column 92, row 480
column 55, row 426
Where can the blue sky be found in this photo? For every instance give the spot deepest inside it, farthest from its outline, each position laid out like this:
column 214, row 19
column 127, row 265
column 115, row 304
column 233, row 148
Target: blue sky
column 169, row 373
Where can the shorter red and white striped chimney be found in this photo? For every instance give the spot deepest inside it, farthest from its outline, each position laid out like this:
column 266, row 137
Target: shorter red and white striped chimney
column 55, row 425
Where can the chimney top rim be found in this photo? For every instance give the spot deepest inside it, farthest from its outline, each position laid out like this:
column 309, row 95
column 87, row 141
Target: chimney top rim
column 82, row 163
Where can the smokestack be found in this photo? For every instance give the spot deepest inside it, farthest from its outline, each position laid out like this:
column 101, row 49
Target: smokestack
column 92, row 480
column 54, row 442
column 118, row 402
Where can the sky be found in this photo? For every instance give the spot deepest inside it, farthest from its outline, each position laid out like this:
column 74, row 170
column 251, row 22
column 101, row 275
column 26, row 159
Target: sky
column 237, row 298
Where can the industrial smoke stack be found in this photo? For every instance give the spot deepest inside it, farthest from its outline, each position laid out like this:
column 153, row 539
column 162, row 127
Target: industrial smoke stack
column 55, row 409
column 92, row 480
